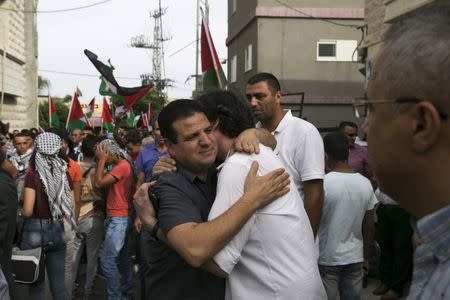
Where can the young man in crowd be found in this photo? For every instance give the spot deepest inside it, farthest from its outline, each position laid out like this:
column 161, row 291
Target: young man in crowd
column 299, row 144
column 76, row 137
column 90, row 230
column 358, row 158
column 114, row 258
column 185, row 198
column 273, row 256
column 408, row 130
column 347, row 224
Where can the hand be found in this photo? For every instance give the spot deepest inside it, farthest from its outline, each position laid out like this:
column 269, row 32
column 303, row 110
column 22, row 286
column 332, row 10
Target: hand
column 144, row 207
column 164, row 164
column 265, row 189
column 101, row 153
column 247, row 141
column 366, row 267
column 137, row 224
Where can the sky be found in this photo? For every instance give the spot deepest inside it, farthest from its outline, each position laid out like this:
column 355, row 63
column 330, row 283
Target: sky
column 107, row 30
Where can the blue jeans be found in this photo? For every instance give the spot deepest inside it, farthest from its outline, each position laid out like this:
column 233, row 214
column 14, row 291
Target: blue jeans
column 52, row 235
column 114, row 258
column 347, row 279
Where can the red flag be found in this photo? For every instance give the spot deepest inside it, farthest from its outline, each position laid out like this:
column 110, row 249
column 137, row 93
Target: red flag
column 76, row 118
column 213, row 76
column 144, row 122
column 130, row 100
column 107, row 120
column 52, row 116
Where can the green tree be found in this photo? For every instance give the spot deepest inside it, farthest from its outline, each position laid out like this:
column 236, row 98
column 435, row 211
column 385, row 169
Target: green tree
column 43, row 84
column 62, row 110
column 157, row 100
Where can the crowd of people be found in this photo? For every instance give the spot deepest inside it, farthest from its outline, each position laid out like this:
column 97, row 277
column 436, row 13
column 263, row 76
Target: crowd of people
column 238, row 199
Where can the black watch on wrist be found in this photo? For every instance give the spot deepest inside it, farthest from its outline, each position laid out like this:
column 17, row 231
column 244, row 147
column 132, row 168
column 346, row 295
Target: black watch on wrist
column 154, row 232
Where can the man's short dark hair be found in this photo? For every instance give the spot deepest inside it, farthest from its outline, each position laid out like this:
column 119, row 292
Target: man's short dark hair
column 343, row 124
column 88, row 145
column 133, row 136
column 21, row 134
column 336, row 146
column 176, row 110
column 28, row 133
column 272, row 81
column 234, row 114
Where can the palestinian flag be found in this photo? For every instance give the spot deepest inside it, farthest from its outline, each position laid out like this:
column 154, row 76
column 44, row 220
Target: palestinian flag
column 109, row 85
column 52, row 116
column 144, row 122
column 79, row 93
column 107, row 120
column 90, row 109
column 76, row 118
column 132, row 118
column 213, row 76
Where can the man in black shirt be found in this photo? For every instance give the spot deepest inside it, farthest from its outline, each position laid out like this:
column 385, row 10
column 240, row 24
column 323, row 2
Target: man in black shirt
column 185, row 199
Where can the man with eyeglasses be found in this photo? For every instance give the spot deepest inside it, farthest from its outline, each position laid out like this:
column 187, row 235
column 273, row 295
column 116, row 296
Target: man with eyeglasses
column 409, row 135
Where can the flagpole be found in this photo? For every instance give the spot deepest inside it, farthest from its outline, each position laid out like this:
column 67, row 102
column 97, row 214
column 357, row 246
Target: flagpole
column 49, row 112
column 197, row 46
column 70, row 111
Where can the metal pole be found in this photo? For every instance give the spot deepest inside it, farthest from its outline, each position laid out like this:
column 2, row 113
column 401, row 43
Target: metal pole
column 197, row 46
column 5, row 41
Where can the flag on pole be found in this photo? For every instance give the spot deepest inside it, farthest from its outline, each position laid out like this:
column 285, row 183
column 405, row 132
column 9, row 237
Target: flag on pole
column 52, row 116
column 213, row 76
column 109, row 85
column 149, row 111
column 107, row 120
column 76, row 117
column 90, row 109
column 144, row 122
column 79, row 93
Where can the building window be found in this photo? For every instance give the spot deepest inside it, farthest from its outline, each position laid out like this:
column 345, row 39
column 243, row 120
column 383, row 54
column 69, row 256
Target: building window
column 337, row 50
column 233, row 69
column 248, row 58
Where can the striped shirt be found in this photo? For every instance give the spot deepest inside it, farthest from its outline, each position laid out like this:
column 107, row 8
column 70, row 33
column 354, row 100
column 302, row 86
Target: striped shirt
column 431, row 277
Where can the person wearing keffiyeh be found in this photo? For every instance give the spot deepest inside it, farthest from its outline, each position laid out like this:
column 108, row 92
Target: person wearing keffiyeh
column 114, row 259
column 47, row 201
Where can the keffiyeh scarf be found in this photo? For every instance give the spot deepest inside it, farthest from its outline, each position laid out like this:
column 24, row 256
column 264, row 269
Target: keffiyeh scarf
column 21, row 161
column 113, row 148
column 52, row 170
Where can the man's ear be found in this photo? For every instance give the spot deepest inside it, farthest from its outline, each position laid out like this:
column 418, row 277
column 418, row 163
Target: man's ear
column 426, row 126
column 278, row 96
column 170, row 147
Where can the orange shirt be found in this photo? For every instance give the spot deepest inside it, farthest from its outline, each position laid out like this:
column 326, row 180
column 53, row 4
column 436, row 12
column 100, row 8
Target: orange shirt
column 74, row 171
column 120, row 194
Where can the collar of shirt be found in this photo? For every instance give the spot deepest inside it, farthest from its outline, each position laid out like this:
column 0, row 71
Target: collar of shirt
column 191, row 177
column 284, row 122
column 434, row 231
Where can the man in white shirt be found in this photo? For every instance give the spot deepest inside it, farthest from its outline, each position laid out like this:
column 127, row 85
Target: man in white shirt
column 273, row 256
column 346, row 225
column 299, row 144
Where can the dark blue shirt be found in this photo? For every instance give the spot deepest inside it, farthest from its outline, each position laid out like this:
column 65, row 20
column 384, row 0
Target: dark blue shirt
column 147, row 158
column 183, row 198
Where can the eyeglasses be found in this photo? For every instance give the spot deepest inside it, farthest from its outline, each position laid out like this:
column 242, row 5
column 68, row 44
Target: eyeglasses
column 363, row 107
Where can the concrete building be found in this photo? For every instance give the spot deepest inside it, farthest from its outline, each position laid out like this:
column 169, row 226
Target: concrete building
column 18, row 63
column 310, row 45
column 379, row 14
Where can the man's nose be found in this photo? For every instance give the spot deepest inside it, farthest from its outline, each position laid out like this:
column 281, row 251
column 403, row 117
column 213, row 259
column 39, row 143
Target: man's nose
column 252, row 101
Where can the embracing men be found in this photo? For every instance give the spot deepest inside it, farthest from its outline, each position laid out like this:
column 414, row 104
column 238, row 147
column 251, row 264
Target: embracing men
column 266, row 249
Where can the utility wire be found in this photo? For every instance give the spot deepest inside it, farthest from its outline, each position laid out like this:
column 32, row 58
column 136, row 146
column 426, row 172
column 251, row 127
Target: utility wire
column 56, row 10
column 82, row 74
column 179, row 50
column 315, row 18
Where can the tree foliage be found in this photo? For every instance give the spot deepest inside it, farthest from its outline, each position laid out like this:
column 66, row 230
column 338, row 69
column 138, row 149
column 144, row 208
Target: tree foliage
column 62, row 110
column 157, row 100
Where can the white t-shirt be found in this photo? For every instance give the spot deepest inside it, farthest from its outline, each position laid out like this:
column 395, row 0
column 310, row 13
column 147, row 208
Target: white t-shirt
column 273, row 256
column 300, row 148
column 347, row 198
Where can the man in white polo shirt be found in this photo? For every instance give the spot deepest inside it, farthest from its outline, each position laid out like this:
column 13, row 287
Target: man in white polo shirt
column 299, row 144
column 273, row 256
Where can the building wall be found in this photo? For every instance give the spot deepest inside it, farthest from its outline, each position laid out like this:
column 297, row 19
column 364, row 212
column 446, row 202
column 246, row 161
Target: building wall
column 18, row 69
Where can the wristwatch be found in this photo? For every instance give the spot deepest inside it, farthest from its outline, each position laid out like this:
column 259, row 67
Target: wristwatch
column 154, row 232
